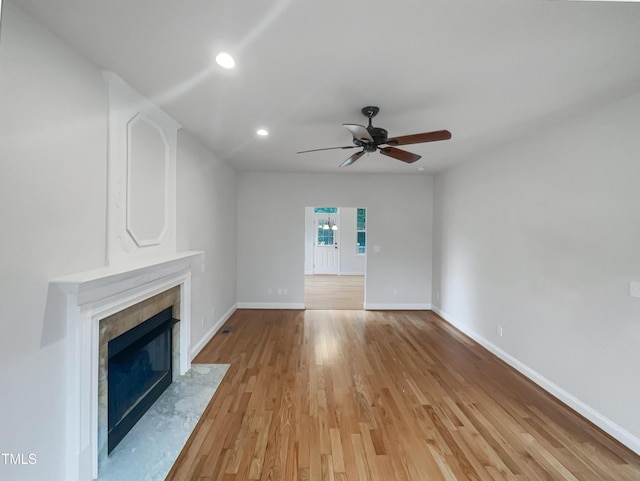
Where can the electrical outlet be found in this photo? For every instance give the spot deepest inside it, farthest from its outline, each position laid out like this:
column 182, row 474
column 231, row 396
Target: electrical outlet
column 634, row 289
column 395, row 292
column 279, row 291
column 285, row 291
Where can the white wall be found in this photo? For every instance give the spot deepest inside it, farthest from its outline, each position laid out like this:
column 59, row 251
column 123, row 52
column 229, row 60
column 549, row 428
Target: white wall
column 271, row 235
column 543, row 238
column 52, row 211
column 351, row 263
column 53, row 184
column 207, row 221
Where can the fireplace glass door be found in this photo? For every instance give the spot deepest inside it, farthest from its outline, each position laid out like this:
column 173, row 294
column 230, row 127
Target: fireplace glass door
column 139, row 371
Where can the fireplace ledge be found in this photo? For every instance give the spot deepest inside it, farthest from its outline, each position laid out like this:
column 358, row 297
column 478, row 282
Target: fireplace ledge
column 84, row 282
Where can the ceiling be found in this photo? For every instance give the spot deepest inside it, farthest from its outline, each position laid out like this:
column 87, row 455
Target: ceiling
column 490, row 71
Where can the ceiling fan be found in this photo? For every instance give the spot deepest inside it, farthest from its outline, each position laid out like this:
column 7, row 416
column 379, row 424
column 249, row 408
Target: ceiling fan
column 371, row 138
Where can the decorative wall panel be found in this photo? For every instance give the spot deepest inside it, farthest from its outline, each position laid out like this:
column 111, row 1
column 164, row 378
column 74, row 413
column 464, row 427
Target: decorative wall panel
column 142, row 176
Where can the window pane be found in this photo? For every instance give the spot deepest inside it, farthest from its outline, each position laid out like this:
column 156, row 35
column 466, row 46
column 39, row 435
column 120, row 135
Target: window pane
column 362, row 219
column 325, row 210
column 362, row 242
column 325, row 237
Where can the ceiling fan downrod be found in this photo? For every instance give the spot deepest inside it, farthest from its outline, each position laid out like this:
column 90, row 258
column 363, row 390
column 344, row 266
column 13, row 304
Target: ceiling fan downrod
column 370, row 112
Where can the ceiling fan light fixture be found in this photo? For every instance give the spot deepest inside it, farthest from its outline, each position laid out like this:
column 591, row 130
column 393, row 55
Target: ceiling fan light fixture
column 372, row 139
column 262, row 132
column 225, row 60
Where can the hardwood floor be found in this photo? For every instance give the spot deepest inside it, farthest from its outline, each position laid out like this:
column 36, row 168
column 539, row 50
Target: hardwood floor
column 333, row 292
column 381, row 396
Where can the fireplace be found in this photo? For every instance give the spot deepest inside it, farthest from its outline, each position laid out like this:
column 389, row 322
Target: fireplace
column 139, row 370
column 138, row 346
column 99, row 306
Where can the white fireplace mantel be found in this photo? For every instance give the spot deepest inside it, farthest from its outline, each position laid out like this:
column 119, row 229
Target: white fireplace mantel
column 95, row 295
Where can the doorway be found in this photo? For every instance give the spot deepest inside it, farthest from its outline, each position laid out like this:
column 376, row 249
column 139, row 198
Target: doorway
column 335, row 257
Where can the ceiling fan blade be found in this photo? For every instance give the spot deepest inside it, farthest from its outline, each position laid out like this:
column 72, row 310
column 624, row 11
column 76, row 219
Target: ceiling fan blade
column 328, row 148
column 400, row 154
column 419, row 138
column 359, row 132
column 352, row 159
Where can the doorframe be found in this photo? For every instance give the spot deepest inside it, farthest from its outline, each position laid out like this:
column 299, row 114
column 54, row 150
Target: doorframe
column 307, row 272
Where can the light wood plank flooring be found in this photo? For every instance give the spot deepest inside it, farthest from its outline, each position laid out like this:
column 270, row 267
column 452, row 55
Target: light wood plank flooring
column 382, row 396
column 333, row 292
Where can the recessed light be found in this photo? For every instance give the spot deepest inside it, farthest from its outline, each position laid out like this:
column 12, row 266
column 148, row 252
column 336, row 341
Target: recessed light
column 225, row 60
column 420, row 169
column 262, row 132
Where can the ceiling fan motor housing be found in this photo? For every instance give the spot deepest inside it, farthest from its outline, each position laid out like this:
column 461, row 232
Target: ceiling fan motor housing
column 379, row 135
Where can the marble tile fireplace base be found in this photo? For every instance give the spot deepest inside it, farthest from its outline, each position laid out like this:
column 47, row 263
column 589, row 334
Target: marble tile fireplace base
column 149, row 450
column 95, row 296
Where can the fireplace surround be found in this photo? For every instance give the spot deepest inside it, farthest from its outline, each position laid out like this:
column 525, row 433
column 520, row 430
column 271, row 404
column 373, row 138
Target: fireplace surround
column 93, row 300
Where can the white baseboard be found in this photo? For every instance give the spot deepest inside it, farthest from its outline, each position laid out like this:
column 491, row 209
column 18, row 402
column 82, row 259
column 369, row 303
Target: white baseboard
column 348, row 273
column 608, row 426
column 397, row 307
column 271, row 305
column 211, row 332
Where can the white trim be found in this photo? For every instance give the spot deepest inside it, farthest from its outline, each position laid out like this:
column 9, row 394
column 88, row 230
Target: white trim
column 167, row 184
column 212, row 332
column 271, row 305
column 397, row 307
column 608, row 426
column 352, row 273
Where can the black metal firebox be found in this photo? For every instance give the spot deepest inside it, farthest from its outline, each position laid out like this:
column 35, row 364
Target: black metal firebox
column 140, row 369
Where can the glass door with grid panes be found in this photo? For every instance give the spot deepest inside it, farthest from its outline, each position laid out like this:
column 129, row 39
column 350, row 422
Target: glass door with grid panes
column 326, row 248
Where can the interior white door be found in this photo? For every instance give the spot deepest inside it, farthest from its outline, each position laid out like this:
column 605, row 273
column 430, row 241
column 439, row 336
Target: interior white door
column 326, row 245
